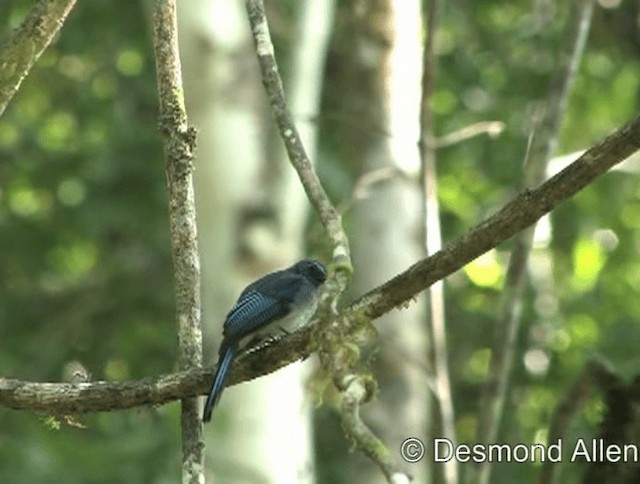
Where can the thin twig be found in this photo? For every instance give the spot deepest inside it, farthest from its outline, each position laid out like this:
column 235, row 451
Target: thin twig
column 27, row 42
column 524, row 210
column 433, row 238
column 179, row 149
column 358, row 390
column 542, row 148
column 492, row 128
column 329, row 216
column 332, row 345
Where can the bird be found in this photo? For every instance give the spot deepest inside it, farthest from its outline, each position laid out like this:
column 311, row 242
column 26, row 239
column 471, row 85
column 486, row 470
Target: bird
column 276, row 304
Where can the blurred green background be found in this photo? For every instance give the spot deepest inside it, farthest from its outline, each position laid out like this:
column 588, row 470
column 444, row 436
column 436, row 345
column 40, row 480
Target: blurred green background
column 85, row 269
column 84, row 248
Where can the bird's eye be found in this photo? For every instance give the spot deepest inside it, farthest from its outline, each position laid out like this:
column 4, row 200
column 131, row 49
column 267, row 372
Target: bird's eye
column 319, row 273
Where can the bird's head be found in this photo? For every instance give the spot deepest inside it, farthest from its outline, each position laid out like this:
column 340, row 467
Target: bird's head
column 313, row 270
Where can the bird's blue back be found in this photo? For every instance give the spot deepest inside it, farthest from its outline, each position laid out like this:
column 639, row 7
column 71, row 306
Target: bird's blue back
column 263, row 301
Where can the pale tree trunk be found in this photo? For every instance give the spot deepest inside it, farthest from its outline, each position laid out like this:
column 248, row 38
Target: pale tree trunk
column 382, row 98
column 261, row 431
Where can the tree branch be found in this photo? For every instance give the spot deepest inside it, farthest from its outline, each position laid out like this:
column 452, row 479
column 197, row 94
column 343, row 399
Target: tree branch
column 179, row 140
column 525, row 209
column 100, row 396
column 27, row 43
column 357, row 391
column 329, row 216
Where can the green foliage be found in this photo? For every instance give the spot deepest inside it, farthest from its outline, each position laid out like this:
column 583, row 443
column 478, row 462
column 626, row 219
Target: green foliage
column 84, row 251
column 495, row 61
column 582, row 298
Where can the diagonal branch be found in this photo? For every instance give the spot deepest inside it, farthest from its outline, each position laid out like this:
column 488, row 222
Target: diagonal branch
column 524, row 210
column 329, row 216
column 329, row 339
column 27, row 43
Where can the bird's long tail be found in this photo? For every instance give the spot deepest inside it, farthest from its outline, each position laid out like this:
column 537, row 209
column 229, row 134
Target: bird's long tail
column 227, row 354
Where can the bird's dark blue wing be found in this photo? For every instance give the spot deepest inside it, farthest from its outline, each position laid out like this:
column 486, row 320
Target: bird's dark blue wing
column 286, row 298
column 252, row 311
